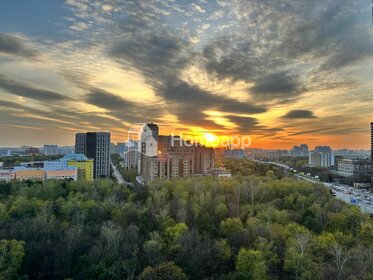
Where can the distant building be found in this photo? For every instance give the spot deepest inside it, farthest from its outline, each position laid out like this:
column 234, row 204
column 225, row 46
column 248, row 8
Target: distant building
column 299, row 151
column 349, row 167
column 130, row 154
column 353, row 154
column 234, row 153
column 32, row 151
column 31, row 164
column 6, row 175
column 296, row 151
column 220, row 172
column 321, row 157
column 50, row 150
column 257, row 153
column 65, row 150
column 121, row 147
column 304, row 149
column 113, row 149
column 96, row 146
column 5, row 153
column 219, row 152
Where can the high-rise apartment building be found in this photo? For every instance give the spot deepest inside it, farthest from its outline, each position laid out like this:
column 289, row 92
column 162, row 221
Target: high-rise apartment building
column 96, row 146
column 130, row 154
column 321, row 157
column 50, row 150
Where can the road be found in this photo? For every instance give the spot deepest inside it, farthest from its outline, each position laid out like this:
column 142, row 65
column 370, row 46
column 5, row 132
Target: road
column 346, row 193
column 119, row 176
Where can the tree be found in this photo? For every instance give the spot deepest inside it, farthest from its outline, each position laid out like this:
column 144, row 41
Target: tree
column 231, row 226
column 251, row 264
column 11, row 257
column 174, row 232
column 164, row 271
column 341, row 257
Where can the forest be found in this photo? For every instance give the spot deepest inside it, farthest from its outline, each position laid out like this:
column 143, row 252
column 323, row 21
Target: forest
column 256, row 225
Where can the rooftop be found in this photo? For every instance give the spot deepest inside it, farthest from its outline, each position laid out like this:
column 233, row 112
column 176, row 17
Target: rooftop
column 77, row 157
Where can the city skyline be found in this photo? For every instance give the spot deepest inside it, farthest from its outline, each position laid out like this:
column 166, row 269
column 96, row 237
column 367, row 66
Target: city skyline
column 284, row 72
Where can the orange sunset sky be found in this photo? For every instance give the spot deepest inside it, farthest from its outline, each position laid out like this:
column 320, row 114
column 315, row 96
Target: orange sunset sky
column 283, row 72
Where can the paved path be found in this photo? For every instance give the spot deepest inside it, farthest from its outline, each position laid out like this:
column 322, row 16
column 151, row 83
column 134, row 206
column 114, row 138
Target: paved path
column 119, row 176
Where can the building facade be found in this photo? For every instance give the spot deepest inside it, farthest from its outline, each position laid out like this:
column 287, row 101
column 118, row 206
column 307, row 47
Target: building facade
column 6, row 175
column 50, row 150
column 80, row 162
column 29, row 174
column 96, row 146
column 165, row 157
column 130, row 154
column 234, row 153
column 66, row 174
column 349, row 167
column 322, row 156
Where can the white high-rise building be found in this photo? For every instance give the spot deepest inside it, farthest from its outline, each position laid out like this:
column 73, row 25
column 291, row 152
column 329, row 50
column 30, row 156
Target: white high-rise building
column 322, row 156
column 131, row 154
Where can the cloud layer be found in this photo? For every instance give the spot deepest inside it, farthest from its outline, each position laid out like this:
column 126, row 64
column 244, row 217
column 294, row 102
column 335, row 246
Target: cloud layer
column 238, row 66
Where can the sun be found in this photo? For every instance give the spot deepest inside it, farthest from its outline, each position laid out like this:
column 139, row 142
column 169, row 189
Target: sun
column 209, row 139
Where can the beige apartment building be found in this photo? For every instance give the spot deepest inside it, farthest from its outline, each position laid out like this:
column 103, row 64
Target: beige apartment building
column 165, row 157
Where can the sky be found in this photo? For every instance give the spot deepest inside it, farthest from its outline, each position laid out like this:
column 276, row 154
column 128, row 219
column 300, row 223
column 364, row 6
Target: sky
column 283, row 72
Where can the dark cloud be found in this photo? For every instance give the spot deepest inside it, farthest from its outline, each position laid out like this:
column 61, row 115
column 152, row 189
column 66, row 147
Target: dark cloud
column 315, row 39
column 276, row 85
column 12, row 45
column 123, row 109
column 28, row 91
column 244, row 123
column 250, row 125
column 106, row 100
column 194, row 97
column 160, row 55
column 299, row 114
column 14, row 112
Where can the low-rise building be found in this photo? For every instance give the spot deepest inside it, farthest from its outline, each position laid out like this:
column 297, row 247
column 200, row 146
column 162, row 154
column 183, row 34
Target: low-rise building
column 71, row 173
column 350, row 167
column 6, row 175
column 220, row 172
column 83, row 164
column 80, row 162
column 29, row 174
